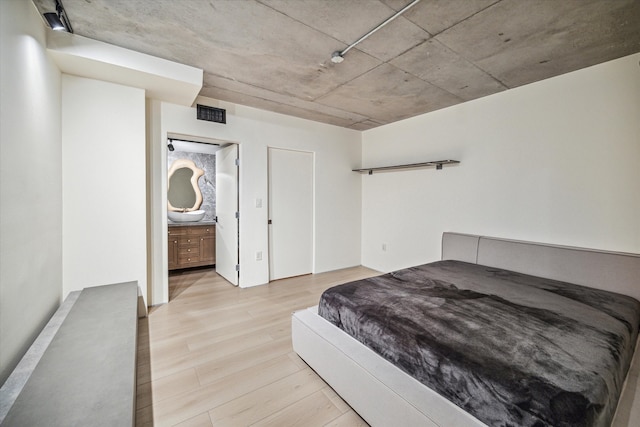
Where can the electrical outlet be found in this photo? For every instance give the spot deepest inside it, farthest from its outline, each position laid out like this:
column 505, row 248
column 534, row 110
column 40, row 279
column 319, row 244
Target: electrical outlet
column 259, row 256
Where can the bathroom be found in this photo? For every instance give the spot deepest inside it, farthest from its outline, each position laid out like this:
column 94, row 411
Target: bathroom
column 191, row 205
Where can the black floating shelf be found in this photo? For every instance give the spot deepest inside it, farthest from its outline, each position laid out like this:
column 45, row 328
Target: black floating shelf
column 438, row 164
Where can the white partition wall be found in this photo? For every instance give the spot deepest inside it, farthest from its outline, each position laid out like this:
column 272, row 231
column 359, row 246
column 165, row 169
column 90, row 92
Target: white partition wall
column 104, row 184
column 337, row 189
column 30, row 182
column 556, row 161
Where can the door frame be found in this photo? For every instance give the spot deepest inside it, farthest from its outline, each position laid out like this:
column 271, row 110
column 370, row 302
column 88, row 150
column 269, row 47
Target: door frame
column 313, row 206
column 158, row 269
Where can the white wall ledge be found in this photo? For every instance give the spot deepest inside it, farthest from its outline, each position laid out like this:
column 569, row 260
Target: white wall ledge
column 161, row 79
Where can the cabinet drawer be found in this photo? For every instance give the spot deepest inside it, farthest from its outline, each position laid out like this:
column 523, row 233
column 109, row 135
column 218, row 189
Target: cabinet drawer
column 189, row 241
column 185, row 260
column 189, row 250
column 177, row 231
column 201, row 230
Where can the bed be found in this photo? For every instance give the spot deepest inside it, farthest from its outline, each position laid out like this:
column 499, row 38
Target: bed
column 385, row 394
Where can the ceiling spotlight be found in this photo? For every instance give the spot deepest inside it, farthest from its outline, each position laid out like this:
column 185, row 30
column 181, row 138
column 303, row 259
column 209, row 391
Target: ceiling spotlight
column 58, row 20
column 337, row 57
column 170, row 146
column 54, row 21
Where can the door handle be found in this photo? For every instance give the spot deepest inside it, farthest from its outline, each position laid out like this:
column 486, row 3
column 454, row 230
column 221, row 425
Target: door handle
column 269, row 222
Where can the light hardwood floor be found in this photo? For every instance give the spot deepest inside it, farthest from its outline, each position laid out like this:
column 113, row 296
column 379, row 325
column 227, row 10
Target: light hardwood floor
column 217, row 355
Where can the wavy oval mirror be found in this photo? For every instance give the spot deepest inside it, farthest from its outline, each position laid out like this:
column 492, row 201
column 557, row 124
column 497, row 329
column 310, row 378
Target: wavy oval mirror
column 183, row 191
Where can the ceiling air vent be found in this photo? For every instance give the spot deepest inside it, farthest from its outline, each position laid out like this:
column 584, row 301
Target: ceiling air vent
column 212, row 114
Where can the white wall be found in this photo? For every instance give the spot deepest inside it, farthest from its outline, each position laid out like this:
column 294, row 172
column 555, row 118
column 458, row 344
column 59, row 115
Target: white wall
column 30, row 182
column 337, row 207
column 556, row 161
column 157, row 288
column 104, row 184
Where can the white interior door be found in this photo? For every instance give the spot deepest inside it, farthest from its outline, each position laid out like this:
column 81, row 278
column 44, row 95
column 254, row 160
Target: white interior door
column 227, row 213
column 290, row 213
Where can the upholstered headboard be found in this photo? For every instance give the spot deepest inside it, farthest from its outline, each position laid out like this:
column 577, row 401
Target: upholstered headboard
column 612, row 271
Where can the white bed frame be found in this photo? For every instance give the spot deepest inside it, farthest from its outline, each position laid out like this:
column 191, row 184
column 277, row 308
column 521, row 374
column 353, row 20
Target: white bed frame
column 384, row 395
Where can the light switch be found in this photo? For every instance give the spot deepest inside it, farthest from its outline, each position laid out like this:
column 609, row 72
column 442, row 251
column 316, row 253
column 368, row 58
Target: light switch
column 258, row 203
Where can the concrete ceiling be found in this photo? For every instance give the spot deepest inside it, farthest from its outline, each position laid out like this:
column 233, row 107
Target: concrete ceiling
column 275, row 54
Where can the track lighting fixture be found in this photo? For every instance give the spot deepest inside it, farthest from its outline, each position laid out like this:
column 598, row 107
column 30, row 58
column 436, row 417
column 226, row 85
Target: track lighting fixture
column 170, row 146
column 58, row 20
column 54, row 21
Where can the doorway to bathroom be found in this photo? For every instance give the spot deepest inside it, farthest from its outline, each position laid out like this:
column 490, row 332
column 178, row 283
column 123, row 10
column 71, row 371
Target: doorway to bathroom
column 202, row 206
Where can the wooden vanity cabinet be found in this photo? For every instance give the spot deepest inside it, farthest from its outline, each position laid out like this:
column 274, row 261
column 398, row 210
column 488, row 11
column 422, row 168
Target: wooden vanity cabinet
column 191, row 246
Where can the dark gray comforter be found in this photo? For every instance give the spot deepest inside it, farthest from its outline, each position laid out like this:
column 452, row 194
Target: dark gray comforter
column 511, row 349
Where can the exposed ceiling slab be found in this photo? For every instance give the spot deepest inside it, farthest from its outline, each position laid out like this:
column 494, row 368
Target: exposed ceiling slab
column 549, row 42
column 216, row 84
column 387, row 94
column 275, row 54
column 347, row 21
column 437, row 64
column 436, row 16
